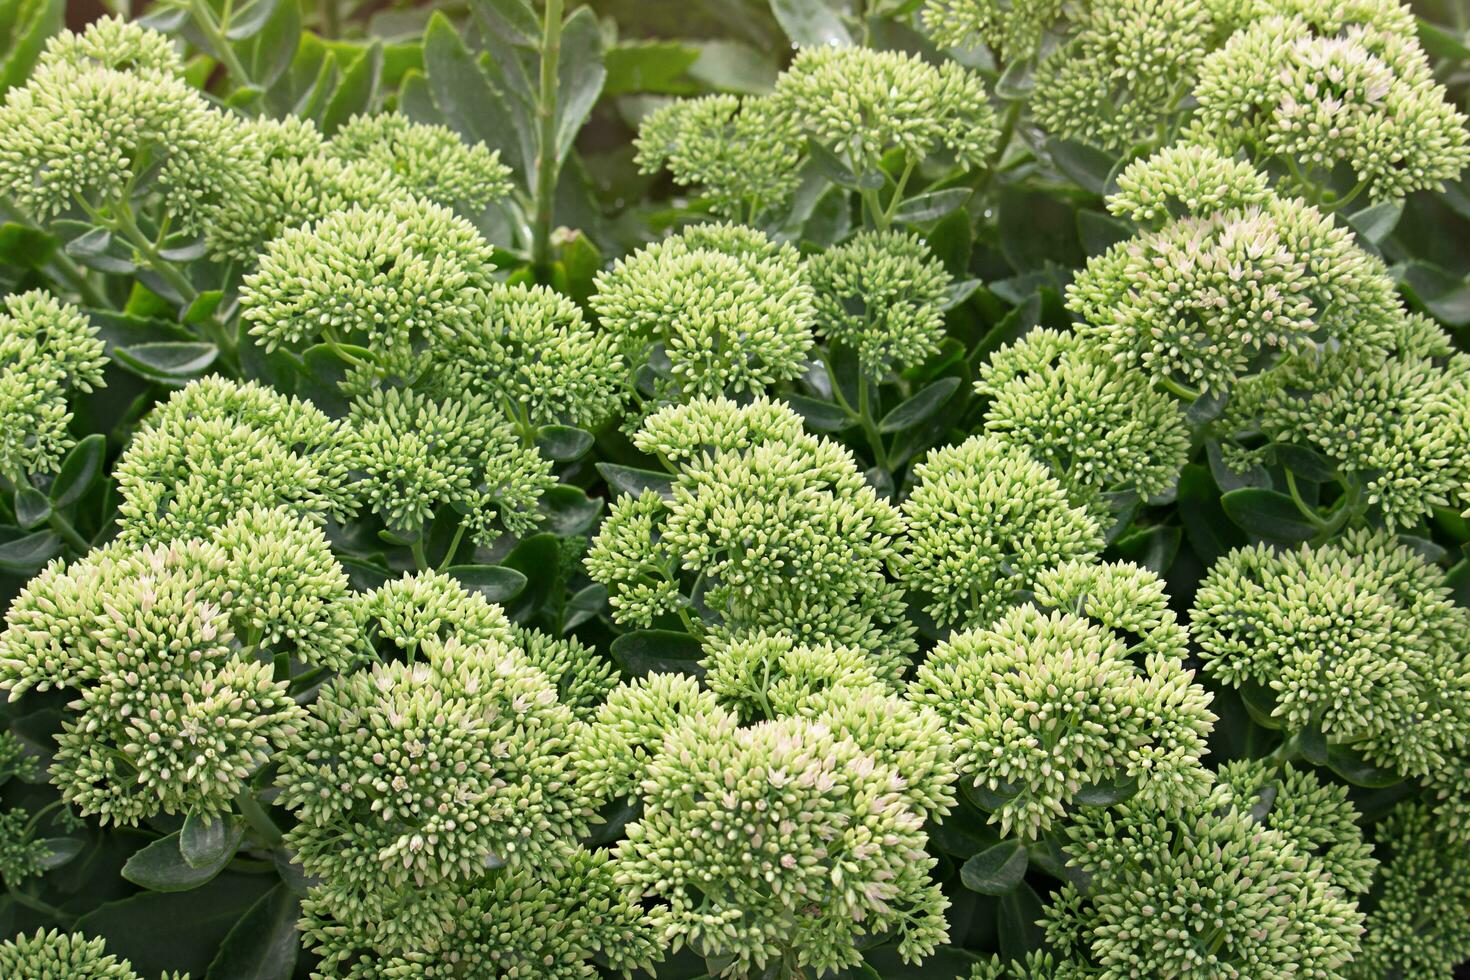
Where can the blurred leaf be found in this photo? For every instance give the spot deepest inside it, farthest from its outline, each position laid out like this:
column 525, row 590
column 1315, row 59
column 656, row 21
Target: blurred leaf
column 995, row 870
column 928, row 207
column 580, row 76
column 264, row 944
column 1087, row 166
column 21, row 245
column 25, row 27
column 496, row 583
column 649, row 66
column 1377, row 221
column 357, row 92
column 811, row 23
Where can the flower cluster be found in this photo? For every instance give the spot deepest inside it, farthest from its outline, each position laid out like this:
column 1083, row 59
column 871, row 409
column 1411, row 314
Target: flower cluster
column 57, row 955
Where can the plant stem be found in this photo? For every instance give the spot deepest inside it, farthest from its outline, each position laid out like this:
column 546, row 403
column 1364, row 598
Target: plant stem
column 210, row 28
column 259, row 821
column 420, row 557
column 547, row 158
column 37, row 905
column 870, row 427
column 331, row 19
column 69, row 533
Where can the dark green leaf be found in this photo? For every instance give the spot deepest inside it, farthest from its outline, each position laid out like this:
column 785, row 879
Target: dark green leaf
column 921, row 407
column 1306, row 462
column 32, row 507
column 161, row 867
column 811, row 23
column 79, row 470
column 60, row 851
column 358, row 90
column 822, row 416
column 995, row 870
column 496, row 583
column 1267, row 514
column 203, row 306
column 1099, row 231
column 730, row 66
column 632, row 481
column 1260, row 703
column 1016, row 82
column 97, row 249
column 563, row 442
column 929, row 207
column 1020, row 911
column 167, row 363
column 514, row 21
column 24, row 246
column 1087, row 166
column 251, row 21
column 648, row 66
column 1107, row 794
column 207, row 842
column 27, row 25
column 1152, row 547
column 583, row 605
column 829, row 165
column 1377, row 221
column 268, row 54
column 24, row 554
column 657, row 651
column 539, row 559
column 569, row 511
column 465, row 96
column 580, row 76
column 197, row 922
column 264, row 944
column 1210, row 532
column 1351, row 766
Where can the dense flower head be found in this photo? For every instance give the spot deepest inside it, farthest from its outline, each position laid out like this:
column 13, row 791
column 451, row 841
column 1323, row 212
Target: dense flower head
column 983, row 520
column 48, row 351
column 1416, row 925
column 552, row 923
column 743, row 152
column 425, row 161
column 1185, row 179
column 1011, row 30
column 1206, row 893
column 582, row 676
column 713, row 310
column 1363, row 98
column 296, row 184
column 863, row 102
column 781, row 529
column 1396, row 426
column 391, row 279
column 431, row 774
column 269, row 576
column 763, row 674
column 93, row 121
column 883, row 295
column 168, row 718
column 1207, row 300
column 1316, row 816
column 1100, row 429
column 56, row 955
column 417, row 454
column 404, row 614
column 1121, row 78
column 1041, row 707
column 1125, row 598
column 532, row 352
column 219, row 446
column 781, row 846
column 1358, row 639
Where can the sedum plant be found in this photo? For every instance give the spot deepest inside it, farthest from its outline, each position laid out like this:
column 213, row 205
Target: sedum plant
column 789, row 491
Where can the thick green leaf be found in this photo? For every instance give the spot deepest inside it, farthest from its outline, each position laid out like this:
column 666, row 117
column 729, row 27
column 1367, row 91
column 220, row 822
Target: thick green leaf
column 168, row 362
column 205, row 843
column 514, row 21
column 24, row 246
column 60, row 851
column 823, row 416
column 633, row 481
column 495, row 582
column 829, row 165
column 465, row 96
column 358, row 90
column 811, row 23
column 920, row 408
column 931, row 206
column 563, row 442
column 657, row 651
column 25, row 26
column 1377, row 221
column 1152, row 547
column 1267, row 514
column 649, row 66
column 24, row 554
column 569, row 511
column 995, row 870
column 268, row 54
column 203, row 306
column 98, row 249
column 580, row 76
column 161, row 867
column 1020, row 911
column 1355, row 769
column 196, row 923
column 1089, row 167
column 1107, row 794
column 583, row 605
column 32, row 507
column 539, row 559
column 264, row 944
column 1210, row 532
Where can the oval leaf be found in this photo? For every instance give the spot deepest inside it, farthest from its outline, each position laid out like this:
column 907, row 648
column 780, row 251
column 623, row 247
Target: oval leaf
column 1267, row 514
column 633, row 481
column 563, row 442
column 995, row 870
column 264, row 944
column 931, row 206
column 207, row 842
column 29, row 552
column 79, row 470
column 657, row 651
column 161, row 867
column 920, row 407
column 31, row 507
column 167, row 362
column 495, row 582
column 821, row 416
